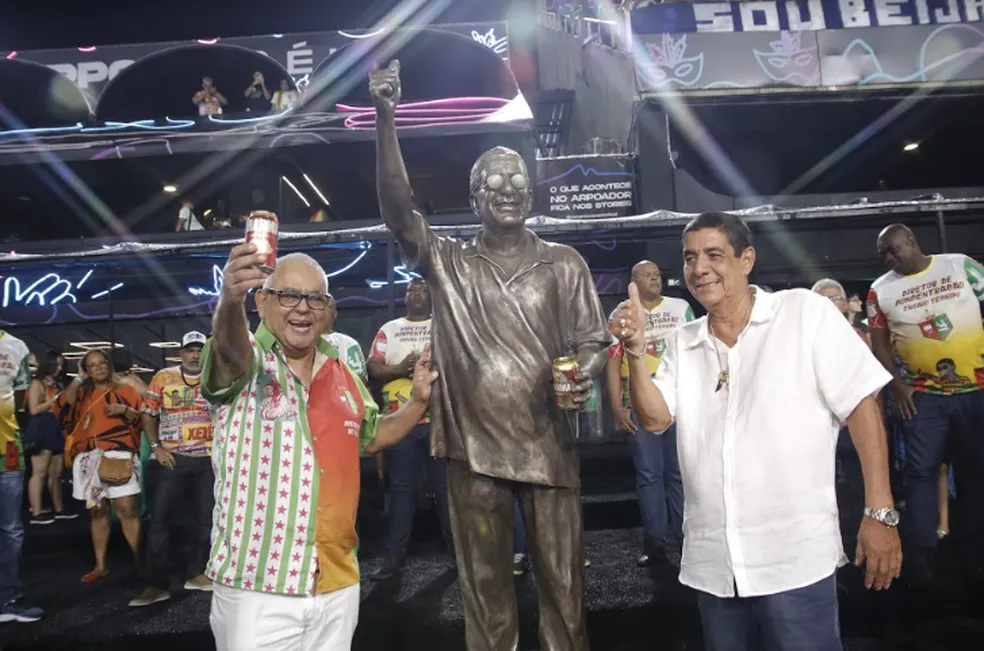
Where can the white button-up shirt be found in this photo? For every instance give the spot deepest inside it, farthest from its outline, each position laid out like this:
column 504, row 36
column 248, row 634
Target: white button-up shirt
column 757, row 457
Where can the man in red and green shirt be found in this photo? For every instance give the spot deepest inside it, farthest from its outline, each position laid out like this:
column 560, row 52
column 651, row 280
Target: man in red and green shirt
column 290, row 422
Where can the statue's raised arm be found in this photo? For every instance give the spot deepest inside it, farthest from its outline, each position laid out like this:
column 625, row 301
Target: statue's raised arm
column 392, row 183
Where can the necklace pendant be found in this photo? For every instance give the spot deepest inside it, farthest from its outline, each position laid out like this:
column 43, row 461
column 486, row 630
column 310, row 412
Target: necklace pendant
column 722, row 380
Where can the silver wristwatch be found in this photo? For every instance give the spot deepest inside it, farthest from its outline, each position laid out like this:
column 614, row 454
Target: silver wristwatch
column 154, row 445
column 887, row 516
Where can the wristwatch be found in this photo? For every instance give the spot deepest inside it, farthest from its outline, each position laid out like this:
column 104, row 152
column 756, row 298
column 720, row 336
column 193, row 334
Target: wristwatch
column 155, row 445
column 887, row 516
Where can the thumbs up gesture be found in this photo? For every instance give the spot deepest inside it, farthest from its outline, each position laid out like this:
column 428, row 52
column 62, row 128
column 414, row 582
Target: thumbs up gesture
column 628, row 323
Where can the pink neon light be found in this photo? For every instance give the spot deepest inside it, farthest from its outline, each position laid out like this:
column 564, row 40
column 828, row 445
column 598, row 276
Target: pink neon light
column 12, row 55
column 429, row 123
column 368, row 121
column 450, row 110
column 449, row 102
column 208, row 41
column 90, row 48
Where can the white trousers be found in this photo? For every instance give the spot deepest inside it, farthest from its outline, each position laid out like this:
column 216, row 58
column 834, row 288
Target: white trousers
column 243, row 620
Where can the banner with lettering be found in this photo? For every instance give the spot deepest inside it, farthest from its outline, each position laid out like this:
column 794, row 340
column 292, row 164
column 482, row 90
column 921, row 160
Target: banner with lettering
column 582, row 187
column 799, row 15
column 91, row 68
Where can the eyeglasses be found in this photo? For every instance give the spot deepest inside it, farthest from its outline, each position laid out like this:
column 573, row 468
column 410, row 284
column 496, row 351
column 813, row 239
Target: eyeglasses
column 497, row 181
column 837, row 299
column 290, row 298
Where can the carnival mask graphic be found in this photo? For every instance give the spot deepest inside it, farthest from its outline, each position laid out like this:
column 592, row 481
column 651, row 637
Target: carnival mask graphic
column 668, row 65
column 789, row 62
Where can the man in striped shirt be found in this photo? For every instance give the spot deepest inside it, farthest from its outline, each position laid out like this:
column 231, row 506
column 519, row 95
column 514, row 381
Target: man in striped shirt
column 290, row 421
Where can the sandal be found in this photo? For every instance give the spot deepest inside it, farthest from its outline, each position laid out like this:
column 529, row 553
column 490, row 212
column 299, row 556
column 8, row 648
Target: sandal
column 942, row 533
column 94, row 576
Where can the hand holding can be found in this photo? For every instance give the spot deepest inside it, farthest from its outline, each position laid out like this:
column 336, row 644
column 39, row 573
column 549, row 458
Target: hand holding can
column 263, row 231
column 564, row 374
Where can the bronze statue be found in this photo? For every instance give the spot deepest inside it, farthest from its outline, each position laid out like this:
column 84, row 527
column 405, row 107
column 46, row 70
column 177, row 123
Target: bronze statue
column 505, row 304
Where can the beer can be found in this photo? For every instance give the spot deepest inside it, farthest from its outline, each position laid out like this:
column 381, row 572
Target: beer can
column 564, row 370
column 263, row 229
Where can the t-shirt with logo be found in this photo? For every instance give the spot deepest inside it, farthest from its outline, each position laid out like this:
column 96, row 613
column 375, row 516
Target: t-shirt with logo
column 935, row 322
column 14, row 376
column 661, row 321
column 350, row 352
column 184, row 417
column 394, row 341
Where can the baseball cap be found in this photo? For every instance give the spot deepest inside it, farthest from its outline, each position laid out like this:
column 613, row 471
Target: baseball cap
column 193, row 338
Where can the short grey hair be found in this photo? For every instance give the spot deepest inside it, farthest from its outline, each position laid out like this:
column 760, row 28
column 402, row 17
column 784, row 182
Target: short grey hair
column 826, row 283
column 302, row 258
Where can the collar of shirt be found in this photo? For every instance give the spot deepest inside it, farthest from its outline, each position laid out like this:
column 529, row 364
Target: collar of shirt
column 762, row 311
column 535, row 252
column 268, row 342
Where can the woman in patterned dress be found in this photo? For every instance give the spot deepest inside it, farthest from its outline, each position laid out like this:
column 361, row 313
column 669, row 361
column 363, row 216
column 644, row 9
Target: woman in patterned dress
column 105, row 415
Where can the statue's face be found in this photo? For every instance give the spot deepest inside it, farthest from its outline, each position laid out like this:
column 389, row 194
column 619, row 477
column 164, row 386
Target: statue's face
column 501, row 194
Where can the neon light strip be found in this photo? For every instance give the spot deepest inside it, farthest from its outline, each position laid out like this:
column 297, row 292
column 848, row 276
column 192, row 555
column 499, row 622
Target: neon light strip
column 446, row 101
column 369, row 122
column 90, row 48
column 217, row 273
column 12, row 55
column 41, row 130
column 262, row 118
column 106, row 292
column 208, row 41
column 296, row 191
column 315, row 188
column 460, row 112
column 404, row 278
column 366, row 35
column 84, row 278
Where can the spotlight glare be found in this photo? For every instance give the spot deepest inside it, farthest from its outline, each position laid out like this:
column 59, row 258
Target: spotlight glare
column 911, row 146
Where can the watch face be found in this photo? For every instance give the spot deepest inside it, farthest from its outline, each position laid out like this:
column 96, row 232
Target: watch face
column 891, row 518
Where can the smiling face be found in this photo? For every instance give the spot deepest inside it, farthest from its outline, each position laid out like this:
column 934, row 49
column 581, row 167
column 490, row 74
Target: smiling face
column 500, row 189
column 299, row 326
column 714, row 271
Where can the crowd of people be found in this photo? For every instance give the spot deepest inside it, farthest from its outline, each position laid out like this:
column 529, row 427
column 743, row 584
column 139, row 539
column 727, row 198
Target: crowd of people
column 736, row 421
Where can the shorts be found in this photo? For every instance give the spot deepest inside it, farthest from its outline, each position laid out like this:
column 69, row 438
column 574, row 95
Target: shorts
column 44, row 433
column 79, row 478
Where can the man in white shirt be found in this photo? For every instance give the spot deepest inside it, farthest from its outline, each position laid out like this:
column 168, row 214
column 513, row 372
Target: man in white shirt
column 396, row 348
column 758, row 390
column 187, row 221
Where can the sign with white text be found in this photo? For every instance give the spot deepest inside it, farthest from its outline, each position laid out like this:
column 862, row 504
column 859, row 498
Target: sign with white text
column 582, row 187
column 799, row 15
